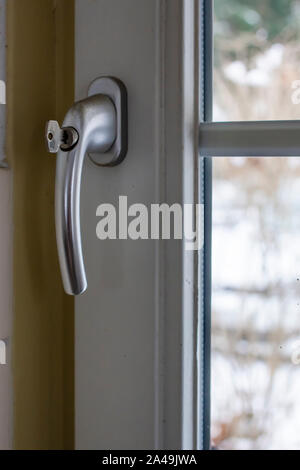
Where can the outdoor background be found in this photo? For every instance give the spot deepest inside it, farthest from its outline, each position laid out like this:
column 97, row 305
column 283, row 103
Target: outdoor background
column 256, row 234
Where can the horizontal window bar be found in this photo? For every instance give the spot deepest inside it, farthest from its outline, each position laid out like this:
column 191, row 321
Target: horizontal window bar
column 250, row 139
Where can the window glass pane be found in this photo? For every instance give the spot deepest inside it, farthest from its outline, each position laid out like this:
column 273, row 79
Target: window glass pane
column 256, row 59
column 256, row 303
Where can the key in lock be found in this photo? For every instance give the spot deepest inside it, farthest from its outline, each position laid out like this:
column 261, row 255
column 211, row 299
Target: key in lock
column 60, row 138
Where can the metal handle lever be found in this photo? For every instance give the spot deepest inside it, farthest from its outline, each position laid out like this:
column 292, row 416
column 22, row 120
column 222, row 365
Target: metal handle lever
column 90, row 126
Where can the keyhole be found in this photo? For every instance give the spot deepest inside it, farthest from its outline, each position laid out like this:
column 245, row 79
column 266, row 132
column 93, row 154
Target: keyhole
column 69, row 138
column 66, row 137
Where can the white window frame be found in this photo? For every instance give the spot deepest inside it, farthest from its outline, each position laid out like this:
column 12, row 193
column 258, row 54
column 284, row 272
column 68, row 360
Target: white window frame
column 174, row 325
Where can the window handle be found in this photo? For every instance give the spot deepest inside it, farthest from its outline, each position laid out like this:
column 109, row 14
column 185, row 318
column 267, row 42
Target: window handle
column 97, row 126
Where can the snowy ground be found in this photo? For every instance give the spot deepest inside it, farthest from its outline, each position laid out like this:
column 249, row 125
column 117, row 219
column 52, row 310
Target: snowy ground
column 256, row 319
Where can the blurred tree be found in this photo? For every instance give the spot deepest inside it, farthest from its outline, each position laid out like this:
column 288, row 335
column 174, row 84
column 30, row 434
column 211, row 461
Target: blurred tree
column 247, row 15
column 267, row 21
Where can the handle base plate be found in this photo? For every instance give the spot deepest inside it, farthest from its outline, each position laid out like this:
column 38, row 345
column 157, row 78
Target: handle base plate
column 116, row 91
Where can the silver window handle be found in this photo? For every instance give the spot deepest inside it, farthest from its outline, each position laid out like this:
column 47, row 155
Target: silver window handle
column 94, row 126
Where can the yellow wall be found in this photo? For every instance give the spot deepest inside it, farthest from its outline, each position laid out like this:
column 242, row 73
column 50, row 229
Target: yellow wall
column 40, row 86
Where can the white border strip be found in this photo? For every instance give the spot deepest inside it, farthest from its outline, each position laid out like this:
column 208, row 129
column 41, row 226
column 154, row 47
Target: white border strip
column 190, row 195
